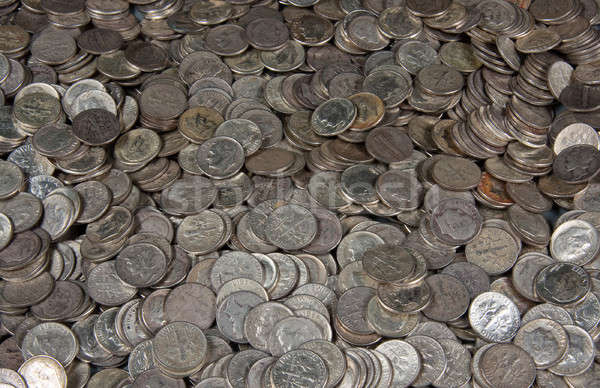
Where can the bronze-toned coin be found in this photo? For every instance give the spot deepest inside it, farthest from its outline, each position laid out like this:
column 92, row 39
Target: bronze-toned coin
column 369, row 111
column 18, row 39
column 198, row 124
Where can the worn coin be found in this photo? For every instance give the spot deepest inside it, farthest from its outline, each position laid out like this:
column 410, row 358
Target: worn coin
column 547, row 332
column 511, row 357
column 449, row 298
column 220, row 157
column 579, row 354
column 562, row 283
column 405, row 360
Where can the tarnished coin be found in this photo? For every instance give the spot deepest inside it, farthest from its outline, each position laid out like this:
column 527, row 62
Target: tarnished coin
column 53, row 47
column 433, row 359
column 233, row 265
column 415, row 55
column 449, row 298
column 261, row 320
column 388, row 145
column 13, row 179
column 474, row 277
column 100, row 41
column 189, row 195
column 455, row 221
column 146, row 56
column 289, row 333
column 393, row 86
column 562, row 283
column 456, row 174
column 354, row 245
column 550, row 311
column 369, row 110
column 199, row 302
column 532, row 228
column 139, row 145
column 577, row 164
column 389, row 323
column 267, row 34
column 525, row 271
column 198, row 124
column 512, row 357
column 350, row 303
column 310, row 29
column 506, row 48
column 226, row 40
column 6, row 231
column 398, row 23
column 105, row 333
column 96, row 127
column 493, row 242
column 358, row 184
column 141, row 265
column 538, row 41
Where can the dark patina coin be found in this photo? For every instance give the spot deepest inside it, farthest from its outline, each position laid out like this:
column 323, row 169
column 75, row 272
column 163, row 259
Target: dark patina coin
column 577, row 164
column 96, row 127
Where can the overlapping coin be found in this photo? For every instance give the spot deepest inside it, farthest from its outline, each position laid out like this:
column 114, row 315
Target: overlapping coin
column 302, row 193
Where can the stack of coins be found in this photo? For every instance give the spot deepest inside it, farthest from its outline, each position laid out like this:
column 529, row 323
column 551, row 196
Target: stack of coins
column 65, row 15
column 115, row 16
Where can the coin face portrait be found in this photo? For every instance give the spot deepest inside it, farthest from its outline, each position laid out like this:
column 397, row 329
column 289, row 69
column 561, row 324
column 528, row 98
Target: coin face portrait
column 219, row 157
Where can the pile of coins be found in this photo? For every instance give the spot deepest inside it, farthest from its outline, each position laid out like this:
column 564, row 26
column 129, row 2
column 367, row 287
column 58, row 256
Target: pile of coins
column 299, row 193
